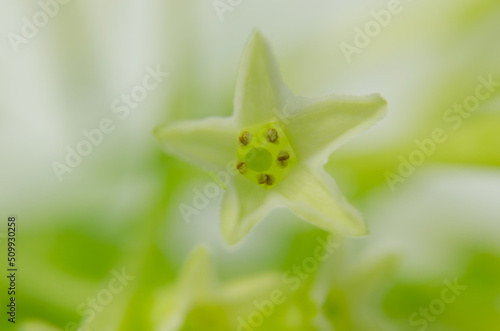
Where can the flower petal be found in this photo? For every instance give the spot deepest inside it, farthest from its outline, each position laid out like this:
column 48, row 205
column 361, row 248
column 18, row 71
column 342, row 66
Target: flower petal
column 314, row 196
column 322, row 125
column 196, row 282
column 260, row 93
column 247, row 289
column 197, row 277
column 244, row 204
column 210, row 143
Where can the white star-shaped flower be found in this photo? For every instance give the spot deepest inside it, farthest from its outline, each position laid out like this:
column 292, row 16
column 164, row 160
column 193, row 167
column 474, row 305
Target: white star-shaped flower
column 277, row 144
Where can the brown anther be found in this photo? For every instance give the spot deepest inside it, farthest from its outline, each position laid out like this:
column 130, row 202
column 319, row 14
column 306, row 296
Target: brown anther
column 272, row 135
column 242, row 167
column 266, row 179
column 245, row 138
column 282, row 159
column 283, row 156
column 282, row 164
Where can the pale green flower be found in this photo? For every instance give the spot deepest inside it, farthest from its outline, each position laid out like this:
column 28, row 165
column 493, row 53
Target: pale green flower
column 279, row 143
column 199, row 301
column 348, row 293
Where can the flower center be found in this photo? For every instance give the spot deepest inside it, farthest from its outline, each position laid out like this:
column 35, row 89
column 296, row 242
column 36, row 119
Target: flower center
column 265, row 155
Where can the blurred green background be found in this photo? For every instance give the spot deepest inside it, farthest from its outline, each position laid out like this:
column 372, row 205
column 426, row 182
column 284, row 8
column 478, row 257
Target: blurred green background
column 106, row 247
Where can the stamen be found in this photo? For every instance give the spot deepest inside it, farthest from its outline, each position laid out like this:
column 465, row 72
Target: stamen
column 266, row 179
column 242, row 167
column 283, row 156
column 272, row 135
column 245, row 138
column 282, row 159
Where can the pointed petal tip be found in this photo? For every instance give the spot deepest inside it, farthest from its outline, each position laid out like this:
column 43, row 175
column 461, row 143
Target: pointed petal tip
column 361, row 232
column 381, row 101
column 201, row 251
column 198, row 260
column 157, row 132
column 376, row 98
column 199, row 256
column 383, row 108
column 358, row 226
column 257, row 37
column 354, row 230
column 232, row 240
column 380, row 97
column 379, row 105
column 257, row 44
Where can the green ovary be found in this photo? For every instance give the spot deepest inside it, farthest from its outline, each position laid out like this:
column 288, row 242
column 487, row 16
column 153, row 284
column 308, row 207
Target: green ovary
column 259, row 159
